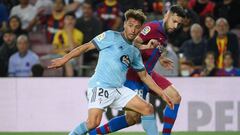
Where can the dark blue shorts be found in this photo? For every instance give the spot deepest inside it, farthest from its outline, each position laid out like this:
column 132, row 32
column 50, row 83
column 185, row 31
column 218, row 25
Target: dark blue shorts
column 139, row 87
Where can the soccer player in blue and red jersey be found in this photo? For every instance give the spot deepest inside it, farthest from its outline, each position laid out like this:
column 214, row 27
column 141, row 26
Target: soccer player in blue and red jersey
column 151, row 41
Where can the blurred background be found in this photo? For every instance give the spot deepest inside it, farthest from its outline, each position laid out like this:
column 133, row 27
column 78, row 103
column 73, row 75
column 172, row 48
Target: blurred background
column 205, row 52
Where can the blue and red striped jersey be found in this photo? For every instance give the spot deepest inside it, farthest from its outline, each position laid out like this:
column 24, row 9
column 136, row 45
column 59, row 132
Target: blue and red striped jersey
column 151, row 30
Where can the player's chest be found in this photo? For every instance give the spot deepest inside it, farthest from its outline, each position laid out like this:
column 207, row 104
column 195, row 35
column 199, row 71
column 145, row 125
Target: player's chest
column 123, row 54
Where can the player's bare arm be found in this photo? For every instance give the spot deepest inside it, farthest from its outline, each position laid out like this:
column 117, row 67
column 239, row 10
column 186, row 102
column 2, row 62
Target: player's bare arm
column 146, row 78
column 138, row 42
column 166, row 63
column 56, row 63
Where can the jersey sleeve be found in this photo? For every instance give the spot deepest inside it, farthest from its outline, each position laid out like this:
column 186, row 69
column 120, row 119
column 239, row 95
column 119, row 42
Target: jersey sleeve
column 137, row 63
column 103, row 40
column 147, row 32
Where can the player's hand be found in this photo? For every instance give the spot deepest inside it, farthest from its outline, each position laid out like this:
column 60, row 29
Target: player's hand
column 166, row 63
column 168, row 100
column 56, row 63
column 153, row 43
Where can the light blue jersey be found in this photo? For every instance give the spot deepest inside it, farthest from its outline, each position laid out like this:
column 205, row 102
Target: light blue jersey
column 116, row 55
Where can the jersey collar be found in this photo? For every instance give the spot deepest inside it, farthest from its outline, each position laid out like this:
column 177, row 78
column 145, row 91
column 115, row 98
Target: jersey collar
column 129, row 42
column 161, row 28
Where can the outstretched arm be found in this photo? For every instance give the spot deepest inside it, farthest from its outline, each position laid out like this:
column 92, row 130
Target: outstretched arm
column 146, row 78
column 138, row 42
column 167, row 63
column 56, row 63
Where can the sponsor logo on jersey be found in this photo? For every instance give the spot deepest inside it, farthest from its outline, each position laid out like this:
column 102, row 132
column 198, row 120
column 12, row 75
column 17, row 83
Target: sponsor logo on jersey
column 146, row 30
column 125, row 60
column 101, row 37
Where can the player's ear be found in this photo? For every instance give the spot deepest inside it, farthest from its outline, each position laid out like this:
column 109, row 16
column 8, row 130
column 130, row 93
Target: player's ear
column 166, row 15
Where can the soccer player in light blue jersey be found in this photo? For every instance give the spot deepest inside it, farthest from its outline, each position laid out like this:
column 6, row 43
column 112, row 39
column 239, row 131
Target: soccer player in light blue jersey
column 105, row 88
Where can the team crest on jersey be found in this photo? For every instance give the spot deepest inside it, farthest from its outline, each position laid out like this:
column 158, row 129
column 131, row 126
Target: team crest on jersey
column 146, row 30
column 125, row 60
column 101, row 37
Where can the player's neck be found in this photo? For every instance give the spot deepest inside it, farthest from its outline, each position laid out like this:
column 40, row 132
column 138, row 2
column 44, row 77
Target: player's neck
column 125, row 38
column 163, row 23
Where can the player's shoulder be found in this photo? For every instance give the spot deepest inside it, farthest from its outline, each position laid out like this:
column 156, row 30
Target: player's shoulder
column 112, row 32
column 154, row 23
column 150, row 26
column 108, row 35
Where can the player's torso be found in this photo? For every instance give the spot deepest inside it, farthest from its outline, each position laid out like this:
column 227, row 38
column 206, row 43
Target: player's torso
column 119, row 56
column 151, row 30
column 114, row 62
column 154, row 30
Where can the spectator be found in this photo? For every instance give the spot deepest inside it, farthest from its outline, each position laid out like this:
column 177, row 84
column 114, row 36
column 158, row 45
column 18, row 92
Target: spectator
column 209, row 65
column 228, row 9
column 21, row 62
column 187, row 69
column 91, row 27
column 192, row 14
column 194, row 48
column 202, row 7
column 55, row 21
column 67, row 39
column 27, row 13
column 224, row 41
column 6, row 50
column 37, row 70
column 15, row 25
column 110, row 14
column 89, row 24
column 228, row 69
column 210, row 29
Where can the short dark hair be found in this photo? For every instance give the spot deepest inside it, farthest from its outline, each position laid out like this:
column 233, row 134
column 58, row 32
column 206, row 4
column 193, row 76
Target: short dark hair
column 178, row 10
column 227, row 53
column 70, row 14
column 37, row 70
column 89, row 2
column 8, row 31
column 210, row 16
column 136, row 14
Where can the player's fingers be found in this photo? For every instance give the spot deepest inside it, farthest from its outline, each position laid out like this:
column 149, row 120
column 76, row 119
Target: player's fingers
column 53, row 60
column 171, row 66
column 169, row 101
column 52, row 66
column 169, row 61
column 170, row 104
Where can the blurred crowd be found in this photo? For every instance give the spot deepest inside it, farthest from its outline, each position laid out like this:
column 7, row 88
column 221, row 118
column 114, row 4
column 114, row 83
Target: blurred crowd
column 32, row 32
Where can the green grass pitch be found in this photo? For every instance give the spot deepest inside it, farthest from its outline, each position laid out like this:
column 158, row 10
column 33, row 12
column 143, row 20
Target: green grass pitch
column 123, row 133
